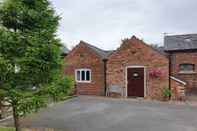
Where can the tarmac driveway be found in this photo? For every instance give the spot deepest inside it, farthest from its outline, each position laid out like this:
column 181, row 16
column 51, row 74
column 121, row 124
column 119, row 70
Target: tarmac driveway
column 105, row 114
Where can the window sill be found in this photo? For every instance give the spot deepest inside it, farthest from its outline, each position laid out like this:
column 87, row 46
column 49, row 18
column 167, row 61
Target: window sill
column 83, row 81
column 187, row 72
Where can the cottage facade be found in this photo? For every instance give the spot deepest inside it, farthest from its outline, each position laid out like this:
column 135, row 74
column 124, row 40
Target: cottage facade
column 135, row 69
column 182, row 51
column 130, row 68
column 86, row 64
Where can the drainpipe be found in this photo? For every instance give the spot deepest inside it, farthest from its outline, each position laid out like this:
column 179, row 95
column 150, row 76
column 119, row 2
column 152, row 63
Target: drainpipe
column 170, row 63
column 105, row 75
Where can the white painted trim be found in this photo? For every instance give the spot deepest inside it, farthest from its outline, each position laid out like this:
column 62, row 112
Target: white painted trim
column 178, row 80
column 83, row 69
column 126, row 85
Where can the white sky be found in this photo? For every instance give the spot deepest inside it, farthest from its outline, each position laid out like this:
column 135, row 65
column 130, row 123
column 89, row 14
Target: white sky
column 104, row 23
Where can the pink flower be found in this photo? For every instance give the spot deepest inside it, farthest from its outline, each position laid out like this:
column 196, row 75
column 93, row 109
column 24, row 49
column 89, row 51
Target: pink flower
column 155, row 73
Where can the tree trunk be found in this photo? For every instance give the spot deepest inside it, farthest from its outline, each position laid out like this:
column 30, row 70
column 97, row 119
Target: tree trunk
column 16, row 119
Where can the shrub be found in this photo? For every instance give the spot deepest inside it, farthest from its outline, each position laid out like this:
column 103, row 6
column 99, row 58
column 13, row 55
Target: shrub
column 167, row 92
column 63, row 86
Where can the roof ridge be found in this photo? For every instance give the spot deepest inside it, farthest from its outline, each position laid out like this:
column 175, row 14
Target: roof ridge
column 146, row 44
column 93, row 46
column 181, row 35
column 103, row 53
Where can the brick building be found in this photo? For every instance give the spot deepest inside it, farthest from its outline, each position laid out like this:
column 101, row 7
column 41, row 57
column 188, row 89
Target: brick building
column 130, row 67
column 135, row 69
column 182, row 50
column 87, row 65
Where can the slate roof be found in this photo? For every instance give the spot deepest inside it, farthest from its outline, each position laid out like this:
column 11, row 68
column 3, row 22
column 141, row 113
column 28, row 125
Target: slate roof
column 103, row 53
column 161, row 50
column 180, row 42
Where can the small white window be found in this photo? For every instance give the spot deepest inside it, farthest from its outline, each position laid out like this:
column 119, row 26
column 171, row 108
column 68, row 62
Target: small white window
column 83, row 75
column 187, row 67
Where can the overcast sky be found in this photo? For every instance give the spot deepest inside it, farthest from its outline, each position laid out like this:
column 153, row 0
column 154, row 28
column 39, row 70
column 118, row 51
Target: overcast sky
column 104, row 23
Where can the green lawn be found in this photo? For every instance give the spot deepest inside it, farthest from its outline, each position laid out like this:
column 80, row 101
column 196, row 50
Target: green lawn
column 12, row 129
column 6, row 129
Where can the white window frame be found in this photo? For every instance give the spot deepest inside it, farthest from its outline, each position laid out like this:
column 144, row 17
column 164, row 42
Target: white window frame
column 186, row 71
column 83, row 81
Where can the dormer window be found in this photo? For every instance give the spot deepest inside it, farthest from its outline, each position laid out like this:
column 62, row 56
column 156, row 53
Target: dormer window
column 186, row 68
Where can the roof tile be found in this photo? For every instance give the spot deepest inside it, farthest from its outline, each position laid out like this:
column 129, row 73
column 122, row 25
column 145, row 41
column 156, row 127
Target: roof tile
column 180, row 42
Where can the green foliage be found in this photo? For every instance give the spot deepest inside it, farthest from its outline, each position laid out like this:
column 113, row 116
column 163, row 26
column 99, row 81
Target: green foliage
column 167, row 93
column 155, row 46
column 6, row 129
column 30, row 55
column 60, row 87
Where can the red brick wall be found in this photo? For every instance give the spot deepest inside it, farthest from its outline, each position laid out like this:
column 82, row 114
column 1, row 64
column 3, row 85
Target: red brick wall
column 83, row 57
column 175, row 88
column 135, row 52
column 178, row 58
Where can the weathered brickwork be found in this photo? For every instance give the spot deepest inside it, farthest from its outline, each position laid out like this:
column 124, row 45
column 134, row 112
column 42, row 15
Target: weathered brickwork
column 178, row 58
column 135, row 52
column 83, row 57
column 178, row 90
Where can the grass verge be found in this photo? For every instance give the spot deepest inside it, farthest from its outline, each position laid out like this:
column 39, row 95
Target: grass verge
column 6, row 129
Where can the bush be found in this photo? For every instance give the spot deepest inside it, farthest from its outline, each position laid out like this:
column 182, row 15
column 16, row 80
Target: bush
column 167, row 92
column 61, row 88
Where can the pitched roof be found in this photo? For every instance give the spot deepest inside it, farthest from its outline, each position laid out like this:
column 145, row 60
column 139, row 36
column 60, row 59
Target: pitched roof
column 161, row 50
column 102, row 53
column 180, row 42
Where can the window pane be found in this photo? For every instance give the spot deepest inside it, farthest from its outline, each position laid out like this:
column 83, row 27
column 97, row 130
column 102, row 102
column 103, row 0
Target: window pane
column 88, row 75
column 187, row 67
column 78, row 75
column 190, row 67
column 83, row 75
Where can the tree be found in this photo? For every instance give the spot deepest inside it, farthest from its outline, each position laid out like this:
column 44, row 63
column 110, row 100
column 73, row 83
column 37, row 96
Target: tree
column 30, row 56
column 156, row 46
